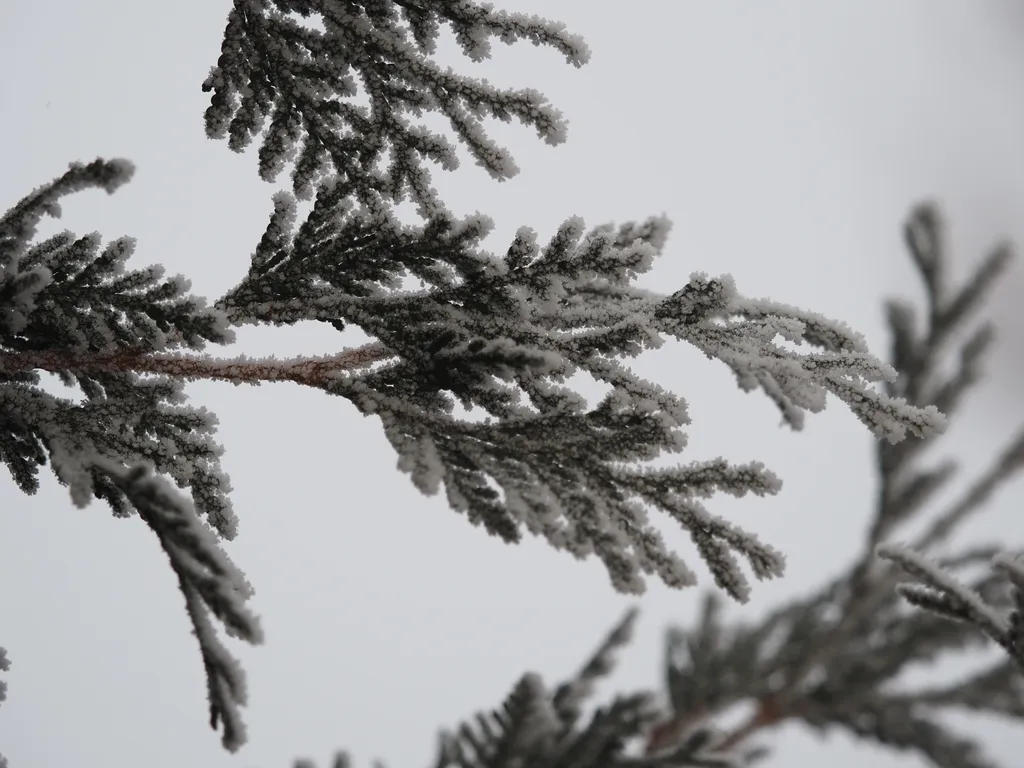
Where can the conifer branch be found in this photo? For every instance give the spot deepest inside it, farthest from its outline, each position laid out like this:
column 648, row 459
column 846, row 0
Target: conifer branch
column 531, row 320
column 503, row 335
column 538, row 727
column 210, row 583
column 312, row 371
column 832, row 659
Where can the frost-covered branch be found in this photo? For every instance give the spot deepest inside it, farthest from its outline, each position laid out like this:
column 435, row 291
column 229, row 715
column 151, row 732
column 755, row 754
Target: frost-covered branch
column 313, row 371
column 63, row 300
column 300, row 65
column 210, row 583
column 501, row 334
column 938, row 590
column 941, row 593
column 487, row 331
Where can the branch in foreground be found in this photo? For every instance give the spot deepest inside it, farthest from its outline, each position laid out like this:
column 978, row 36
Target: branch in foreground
column 312, row 371
column 486, row 331
column 501, row 336
column 303, row 81
column 63, row 299
column 210, row 583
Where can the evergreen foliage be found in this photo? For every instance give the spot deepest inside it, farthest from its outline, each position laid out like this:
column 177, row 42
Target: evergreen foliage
column 500, row 334
column 834, row 659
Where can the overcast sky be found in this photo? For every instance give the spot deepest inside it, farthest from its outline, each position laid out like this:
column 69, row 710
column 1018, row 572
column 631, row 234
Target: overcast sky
column 786, row 140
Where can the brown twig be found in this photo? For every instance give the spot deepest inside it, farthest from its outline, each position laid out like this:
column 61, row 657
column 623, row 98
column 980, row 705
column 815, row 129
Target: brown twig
column 669, row 732
column 771, row 710
column 311, row 371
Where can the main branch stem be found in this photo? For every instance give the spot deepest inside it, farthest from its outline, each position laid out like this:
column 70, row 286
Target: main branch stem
column 311, row 371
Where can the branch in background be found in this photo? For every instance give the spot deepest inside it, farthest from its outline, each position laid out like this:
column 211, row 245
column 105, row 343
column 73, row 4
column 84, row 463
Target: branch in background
column 493, row 333
column 835, row 658
column 303, row 81
column 942, row 594
column 538, row 727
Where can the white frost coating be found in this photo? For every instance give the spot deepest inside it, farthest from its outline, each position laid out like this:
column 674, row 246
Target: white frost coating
column 963, row 598
column 208, row 579
column 350, row 47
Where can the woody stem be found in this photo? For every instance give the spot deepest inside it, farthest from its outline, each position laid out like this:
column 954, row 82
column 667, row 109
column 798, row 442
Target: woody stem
column 311, row 371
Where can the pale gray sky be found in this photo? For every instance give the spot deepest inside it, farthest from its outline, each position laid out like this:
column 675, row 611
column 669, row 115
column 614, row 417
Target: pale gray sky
column 786, row 140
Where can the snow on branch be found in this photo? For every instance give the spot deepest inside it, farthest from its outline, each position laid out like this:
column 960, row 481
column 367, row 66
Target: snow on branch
column 304, row 80
column 742, row 333
column 935, row 587
column 18, row 225
column 939, row 592
column 489, row 331
column 65, row 303
column 485, row 330
column 502, row 334
column 209, row 581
